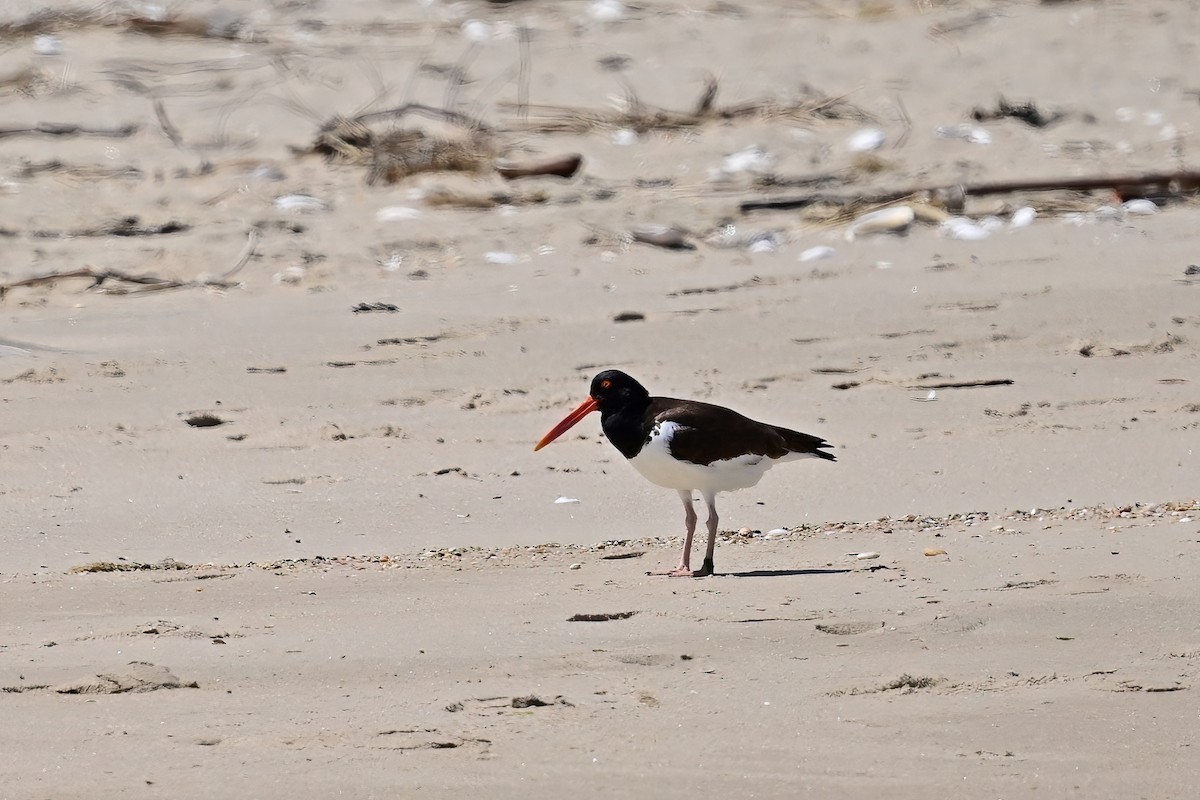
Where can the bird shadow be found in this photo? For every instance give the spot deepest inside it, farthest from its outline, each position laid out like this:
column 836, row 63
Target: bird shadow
column 782, row 573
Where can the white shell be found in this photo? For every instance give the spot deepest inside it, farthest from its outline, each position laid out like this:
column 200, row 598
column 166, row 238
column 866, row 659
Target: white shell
column 1139, row 207
column 886, row 220
column 396, row 213
column 965, row 229
column 866, row 140
column 866, row 556
column 392, row 263
column 606, row 10
column 752, row 159
column 817, row 253
column 47, row 45
column 766, row 242
column 625, row 137
column 564, row 500
column 978, row 136
column 476, row 30
column 970, row 133
column 1023, row 217
column 266, row 172
column 293, row 274
column 301, row 203
column 497, row 257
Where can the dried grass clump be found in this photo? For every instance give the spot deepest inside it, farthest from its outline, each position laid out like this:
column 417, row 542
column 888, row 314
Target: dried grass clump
column 811, row 105
column 402, row 153
column 398, row 153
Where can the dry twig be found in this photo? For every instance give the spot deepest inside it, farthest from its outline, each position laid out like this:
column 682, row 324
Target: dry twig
column 165, row 123
column 141, row 283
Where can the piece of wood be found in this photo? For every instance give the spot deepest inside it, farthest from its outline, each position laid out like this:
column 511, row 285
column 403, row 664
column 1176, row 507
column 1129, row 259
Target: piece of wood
column 1151, row 185
column 70, row 129
column 964, row 384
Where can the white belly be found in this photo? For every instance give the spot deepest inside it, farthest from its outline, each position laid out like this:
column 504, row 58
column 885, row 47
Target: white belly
column 657, row 465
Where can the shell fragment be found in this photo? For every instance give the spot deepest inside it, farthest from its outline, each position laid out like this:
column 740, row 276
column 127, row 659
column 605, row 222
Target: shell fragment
column 866, row 140
column 896, row 219
column 817, row 253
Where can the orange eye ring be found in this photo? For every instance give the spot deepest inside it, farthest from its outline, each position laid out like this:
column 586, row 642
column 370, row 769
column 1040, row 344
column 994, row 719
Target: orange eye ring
column 605, row 384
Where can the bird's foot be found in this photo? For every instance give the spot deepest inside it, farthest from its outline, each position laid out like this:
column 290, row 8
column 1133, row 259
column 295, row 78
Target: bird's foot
column 684, row 571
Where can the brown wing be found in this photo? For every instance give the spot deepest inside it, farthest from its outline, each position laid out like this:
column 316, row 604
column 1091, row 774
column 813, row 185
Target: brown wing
column 711, row 433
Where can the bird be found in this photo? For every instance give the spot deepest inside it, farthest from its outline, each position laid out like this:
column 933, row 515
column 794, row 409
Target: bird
column 689, row 446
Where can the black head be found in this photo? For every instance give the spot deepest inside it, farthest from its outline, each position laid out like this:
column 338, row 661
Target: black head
column 613, row 389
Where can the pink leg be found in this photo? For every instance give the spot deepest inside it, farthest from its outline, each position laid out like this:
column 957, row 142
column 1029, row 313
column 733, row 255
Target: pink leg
column 684, row 570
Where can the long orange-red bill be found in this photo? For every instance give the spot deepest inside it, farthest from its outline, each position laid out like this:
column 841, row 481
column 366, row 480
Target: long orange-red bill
column 569, row 421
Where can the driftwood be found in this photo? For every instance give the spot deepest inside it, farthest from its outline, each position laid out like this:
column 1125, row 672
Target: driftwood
column 126, row 226
column 35, row 168
column 963, row 384
column 215, row 25
column 1160, row 186
column 138, row 284
column 70, row 129
column 969, row 384
column 620, row 556
column 1154, row 185
column 564, row 166
column 665, row 236
column 600, row 617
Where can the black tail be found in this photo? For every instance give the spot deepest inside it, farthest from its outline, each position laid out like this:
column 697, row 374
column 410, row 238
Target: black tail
column 806, row 443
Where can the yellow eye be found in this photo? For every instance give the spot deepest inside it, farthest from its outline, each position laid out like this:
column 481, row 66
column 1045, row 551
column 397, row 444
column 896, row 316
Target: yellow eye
column 606, row 383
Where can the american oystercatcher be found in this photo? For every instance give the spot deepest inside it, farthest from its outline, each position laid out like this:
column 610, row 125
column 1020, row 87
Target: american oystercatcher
column 688, row 446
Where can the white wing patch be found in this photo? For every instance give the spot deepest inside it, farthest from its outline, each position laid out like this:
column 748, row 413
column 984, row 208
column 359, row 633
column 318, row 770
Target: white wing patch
column 657, row 465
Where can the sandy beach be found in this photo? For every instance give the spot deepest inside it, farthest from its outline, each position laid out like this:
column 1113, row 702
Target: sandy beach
column 270, row 388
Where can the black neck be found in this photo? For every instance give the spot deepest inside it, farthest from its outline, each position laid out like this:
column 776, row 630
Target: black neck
column 625, row 425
